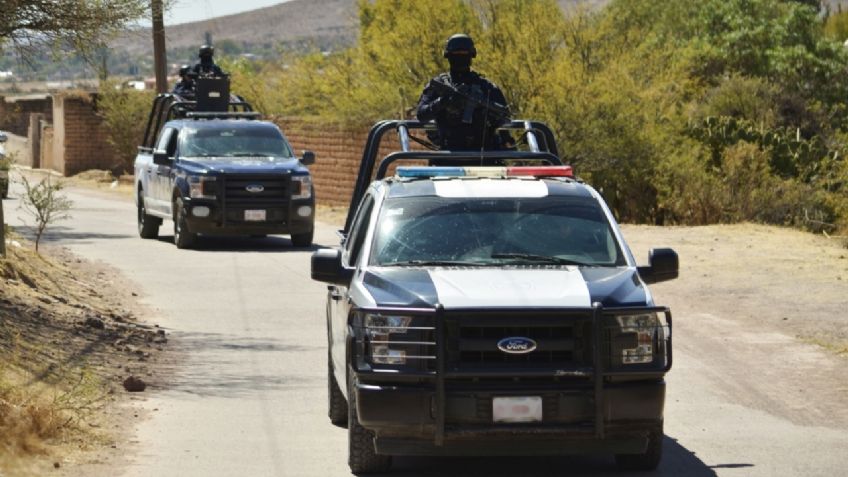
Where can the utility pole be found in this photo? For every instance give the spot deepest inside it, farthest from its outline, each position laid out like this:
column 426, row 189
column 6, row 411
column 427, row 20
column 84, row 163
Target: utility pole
column 2, row 232
column 159, row 60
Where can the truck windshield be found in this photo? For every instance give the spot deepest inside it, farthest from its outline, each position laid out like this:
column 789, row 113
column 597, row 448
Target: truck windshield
column 233, row 142
column 444, row 231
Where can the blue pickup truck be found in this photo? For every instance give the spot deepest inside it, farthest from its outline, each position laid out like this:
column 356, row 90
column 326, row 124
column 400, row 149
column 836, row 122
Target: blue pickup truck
column 220, row 173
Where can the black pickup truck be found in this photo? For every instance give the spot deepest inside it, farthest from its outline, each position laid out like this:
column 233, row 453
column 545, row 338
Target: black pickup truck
column 220, row 172
column 491, row 311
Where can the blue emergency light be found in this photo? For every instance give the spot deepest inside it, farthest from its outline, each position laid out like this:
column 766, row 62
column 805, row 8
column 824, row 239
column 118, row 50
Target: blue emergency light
column 534, row 171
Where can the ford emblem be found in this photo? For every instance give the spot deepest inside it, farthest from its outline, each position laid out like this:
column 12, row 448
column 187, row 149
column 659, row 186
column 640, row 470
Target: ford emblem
column 517, row 345
column 255, row 188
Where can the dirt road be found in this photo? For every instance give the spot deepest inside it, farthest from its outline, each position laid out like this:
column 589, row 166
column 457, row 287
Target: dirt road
column 750, row 394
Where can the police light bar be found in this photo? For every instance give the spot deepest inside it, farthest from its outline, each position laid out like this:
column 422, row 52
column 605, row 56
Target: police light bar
column 526, row 171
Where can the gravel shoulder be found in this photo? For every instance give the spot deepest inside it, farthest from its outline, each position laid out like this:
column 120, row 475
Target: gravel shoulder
column 761, row 310
column 71, row 331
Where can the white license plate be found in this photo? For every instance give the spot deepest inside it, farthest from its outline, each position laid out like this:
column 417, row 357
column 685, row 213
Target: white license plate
column 517, row 409
column 254, row 215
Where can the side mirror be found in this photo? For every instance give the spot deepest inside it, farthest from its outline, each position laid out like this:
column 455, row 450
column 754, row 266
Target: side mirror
column 663, row 265
column 160, row 158
column 342, row 235
column 327, row 267
column 308, row 158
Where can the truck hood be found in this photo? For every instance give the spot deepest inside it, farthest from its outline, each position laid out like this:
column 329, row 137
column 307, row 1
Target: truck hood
column 250, row 165
column 505, row 288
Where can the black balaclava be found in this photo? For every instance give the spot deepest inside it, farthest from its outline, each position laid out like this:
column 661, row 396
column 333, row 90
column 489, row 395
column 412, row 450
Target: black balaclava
column 459, row 64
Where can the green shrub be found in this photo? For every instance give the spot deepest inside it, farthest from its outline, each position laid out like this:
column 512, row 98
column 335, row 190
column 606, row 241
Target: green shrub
column 677, row 112
column 124, row 112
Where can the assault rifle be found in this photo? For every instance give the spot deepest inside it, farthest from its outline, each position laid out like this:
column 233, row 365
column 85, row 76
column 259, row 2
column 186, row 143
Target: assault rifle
column 473, row 98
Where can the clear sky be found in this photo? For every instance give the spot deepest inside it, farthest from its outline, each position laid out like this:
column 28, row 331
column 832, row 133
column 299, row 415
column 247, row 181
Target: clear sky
column 184, row 11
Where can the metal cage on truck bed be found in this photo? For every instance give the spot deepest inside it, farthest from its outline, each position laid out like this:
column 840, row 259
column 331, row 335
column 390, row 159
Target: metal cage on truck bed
column 541, row 147
column 169, row 106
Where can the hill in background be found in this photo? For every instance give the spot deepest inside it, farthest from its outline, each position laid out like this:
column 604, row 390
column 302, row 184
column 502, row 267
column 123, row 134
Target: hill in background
column 322, row 23
column 293, row 25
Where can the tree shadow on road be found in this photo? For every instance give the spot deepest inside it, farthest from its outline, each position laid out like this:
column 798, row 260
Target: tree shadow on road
column 677, row 461
column 60, row 235
column 229, row 366
column 268, row 244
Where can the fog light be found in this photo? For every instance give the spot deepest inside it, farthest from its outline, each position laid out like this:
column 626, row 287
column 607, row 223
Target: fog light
column 200, row 211
column 304, row 211
column 382, row 354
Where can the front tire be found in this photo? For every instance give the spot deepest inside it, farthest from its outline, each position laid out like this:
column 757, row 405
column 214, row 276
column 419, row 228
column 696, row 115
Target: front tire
column 337, row 404
column 148, row 226
column 183, row 238
column 302, row 240
column 649, row 460
column 362, row 456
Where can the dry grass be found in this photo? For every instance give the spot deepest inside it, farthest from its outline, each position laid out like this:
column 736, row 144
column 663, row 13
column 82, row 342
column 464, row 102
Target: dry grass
column 43, row 402
column 58, row 373
column 35, row 414
column 331, row 214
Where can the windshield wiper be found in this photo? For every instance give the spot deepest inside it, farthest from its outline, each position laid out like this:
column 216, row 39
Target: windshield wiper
column 540, row 258
column 248, row 154
column 435, row 263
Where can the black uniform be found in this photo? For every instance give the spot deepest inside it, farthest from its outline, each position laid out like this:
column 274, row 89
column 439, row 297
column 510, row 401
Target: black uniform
column 207, row 68
column 448, row 110
column 184, row 88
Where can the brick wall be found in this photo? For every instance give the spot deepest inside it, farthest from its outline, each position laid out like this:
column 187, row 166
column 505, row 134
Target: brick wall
column 80, row 136
column 77, row 142
column 15, row 112
column 338, row 152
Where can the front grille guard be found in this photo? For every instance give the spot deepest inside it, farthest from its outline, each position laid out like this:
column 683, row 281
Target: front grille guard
column 223, row 198
column 596, row 371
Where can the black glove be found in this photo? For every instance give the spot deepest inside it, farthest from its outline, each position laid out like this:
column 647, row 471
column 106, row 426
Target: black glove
column 438, row 104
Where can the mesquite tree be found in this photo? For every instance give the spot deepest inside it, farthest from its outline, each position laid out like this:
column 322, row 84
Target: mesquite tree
column 45, row 204
column 79, row 24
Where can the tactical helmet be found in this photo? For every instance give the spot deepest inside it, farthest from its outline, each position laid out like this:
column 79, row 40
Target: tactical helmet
column 206, row 50
column 460, row 44
column 184, row 69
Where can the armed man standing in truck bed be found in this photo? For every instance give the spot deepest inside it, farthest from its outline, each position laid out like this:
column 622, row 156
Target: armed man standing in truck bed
column 467, row 107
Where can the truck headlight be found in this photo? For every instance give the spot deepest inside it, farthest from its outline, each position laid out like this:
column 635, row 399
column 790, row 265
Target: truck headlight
column 397, row 339
column 301, row 187
column 638, row 339
column 201, row 187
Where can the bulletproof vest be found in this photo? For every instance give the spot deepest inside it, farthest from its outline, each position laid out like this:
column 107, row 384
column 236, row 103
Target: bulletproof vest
column 462, row 126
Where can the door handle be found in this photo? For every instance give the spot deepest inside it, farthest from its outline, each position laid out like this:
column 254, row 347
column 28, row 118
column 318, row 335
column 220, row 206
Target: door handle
column 335, row 295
